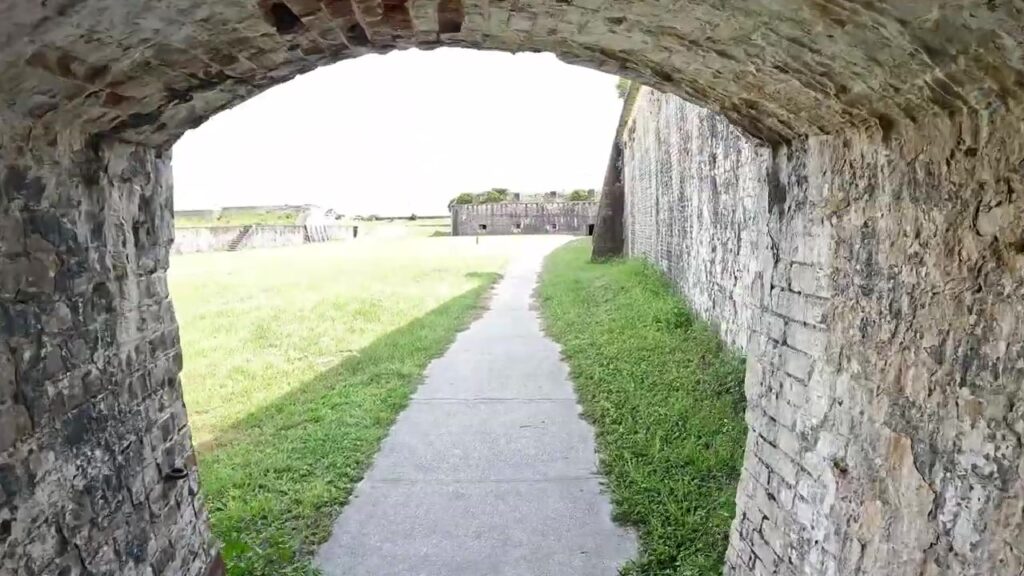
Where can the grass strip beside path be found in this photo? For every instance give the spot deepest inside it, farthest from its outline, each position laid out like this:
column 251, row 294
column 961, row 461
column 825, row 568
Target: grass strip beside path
column 666, row 399
column 297, row 361
column 278, row 481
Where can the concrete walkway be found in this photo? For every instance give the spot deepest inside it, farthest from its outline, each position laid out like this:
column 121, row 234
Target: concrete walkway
column 490, row 471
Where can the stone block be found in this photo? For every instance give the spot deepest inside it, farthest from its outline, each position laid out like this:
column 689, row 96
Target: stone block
column 795, row 393
column 764, row 506
column 37, row 275
column 780, row 274
column 784, row 494
column 762, row 423
column 806, row 279
column 807, row 239
column 753, row 377
column 757, row 470
column 12, row 235
column 778, row 462
column 806, row 338
column 761, row 568
column 800, row 307
column 763, row 552
column 58, row 319
column 14, row 425
column 779, row 409
column 775, row 537
column 788, row 442
column 797, row 364
column 773, row 326
column 8, row 383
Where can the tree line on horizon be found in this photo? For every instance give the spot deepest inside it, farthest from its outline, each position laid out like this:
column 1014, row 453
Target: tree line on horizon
column 499, row 195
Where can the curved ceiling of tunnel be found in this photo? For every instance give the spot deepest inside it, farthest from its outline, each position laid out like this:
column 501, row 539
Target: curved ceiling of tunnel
column 148, row 70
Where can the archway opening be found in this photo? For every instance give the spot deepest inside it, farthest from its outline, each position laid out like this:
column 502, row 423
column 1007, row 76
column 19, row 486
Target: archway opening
column 892, row 231
column 296, row 359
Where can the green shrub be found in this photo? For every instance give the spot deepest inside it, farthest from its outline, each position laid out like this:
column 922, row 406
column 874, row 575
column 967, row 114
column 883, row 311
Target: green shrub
column 492, row 196
column 580, row 195
column 495, row 195
column 622, row 87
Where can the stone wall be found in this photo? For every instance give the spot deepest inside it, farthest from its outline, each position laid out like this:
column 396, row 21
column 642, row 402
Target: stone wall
column 882, row 300
column 204, row 239
column 576, row 218
column 697, row 206
column 219, row 238
column 884, row 374
column 91, row 412
column 330, row 233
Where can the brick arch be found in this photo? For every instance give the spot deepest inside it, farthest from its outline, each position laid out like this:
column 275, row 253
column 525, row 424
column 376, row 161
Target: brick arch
column 884, row 117
column 146, row 71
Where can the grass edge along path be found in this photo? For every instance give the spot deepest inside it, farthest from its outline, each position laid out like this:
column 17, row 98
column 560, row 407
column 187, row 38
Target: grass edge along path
column 279, row 477
column 666, row 399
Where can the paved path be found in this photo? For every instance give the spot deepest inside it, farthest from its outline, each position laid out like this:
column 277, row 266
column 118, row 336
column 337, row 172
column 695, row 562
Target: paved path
column 490, row 471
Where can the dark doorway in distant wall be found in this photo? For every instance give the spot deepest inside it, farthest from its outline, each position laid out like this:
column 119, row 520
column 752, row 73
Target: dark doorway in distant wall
column 590, row 229
column 481, row 227
column 553, row 227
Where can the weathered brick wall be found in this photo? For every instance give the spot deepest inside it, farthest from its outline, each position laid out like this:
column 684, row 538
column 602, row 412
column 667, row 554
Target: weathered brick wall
column 817, row 68
column 919, row 448
column 886, row 336
column 884, row 373
column 91, row 411
column 696, row 205
column 524, row 218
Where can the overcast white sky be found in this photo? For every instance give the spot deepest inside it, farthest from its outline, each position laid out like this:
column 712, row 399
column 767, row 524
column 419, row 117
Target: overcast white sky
column 404, row 133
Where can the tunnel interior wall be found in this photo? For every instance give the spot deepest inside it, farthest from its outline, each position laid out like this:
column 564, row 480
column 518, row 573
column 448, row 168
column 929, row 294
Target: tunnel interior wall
column 880, row 311
column 92, row 420
column 875, row 283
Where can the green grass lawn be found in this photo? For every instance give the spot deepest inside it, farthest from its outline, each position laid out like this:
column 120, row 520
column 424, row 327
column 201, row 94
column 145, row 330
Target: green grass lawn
column 666, row 400
column 297, row 361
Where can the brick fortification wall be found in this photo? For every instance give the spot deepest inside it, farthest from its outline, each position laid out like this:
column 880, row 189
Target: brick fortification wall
column 881, row 309
column 218, row 238
column 91, row 411
column 697, row 206
column 524, row 218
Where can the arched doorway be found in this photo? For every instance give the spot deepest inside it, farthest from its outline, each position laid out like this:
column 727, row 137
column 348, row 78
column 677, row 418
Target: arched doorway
column 921, row 102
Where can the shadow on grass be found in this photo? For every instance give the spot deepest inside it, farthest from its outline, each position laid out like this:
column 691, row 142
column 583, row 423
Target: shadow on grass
column 274, row 481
